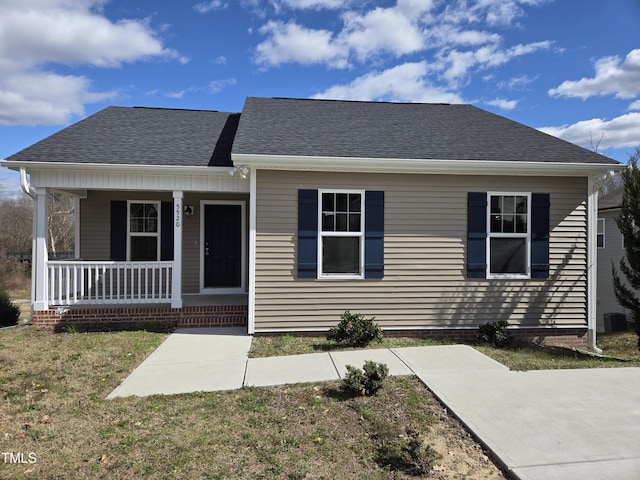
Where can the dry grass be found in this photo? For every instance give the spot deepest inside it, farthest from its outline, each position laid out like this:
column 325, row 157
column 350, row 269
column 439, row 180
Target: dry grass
column 52, row 389
column 619, row 350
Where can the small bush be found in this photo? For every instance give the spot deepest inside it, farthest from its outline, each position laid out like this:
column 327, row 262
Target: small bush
column 407, row 453
column 495, row 333
column 355, row 330
column 9, row 311
column 366, row 381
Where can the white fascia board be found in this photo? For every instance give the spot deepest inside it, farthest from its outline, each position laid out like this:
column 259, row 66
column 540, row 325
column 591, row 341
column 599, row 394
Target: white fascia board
column 424, row 166
column 114, row 167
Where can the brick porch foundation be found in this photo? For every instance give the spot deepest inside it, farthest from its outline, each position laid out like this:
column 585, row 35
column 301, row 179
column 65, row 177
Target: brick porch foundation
column 163, row 318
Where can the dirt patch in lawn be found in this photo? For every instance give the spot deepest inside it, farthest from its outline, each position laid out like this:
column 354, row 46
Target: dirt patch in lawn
column 56, row 423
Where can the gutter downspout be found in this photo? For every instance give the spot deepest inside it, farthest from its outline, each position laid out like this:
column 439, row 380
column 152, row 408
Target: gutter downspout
column 26, row 188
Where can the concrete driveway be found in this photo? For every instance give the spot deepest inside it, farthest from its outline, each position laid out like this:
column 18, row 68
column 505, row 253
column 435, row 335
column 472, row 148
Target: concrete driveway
column 547, row 424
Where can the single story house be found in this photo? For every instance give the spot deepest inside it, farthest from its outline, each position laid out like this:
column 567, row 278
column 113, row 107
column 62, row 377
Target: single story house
column 433, row 218
column 610, row 315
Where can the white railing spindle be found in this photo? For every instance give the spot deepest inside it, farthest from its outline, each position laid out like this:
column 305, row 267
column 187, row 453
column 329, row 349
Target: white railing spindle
column 79, row 282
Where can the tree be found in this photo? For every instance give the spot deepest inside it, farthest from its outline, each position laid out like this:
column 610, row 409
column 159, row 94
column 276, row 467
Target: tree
column 15, row 225
column 61, row 223
column 628, row 222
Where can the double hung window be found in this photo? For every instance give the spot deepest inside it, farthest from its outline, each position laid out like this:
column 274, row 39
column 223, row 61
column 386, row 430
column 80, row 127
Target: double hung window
column 341, row 235
column 508, row 245
column 144, row 231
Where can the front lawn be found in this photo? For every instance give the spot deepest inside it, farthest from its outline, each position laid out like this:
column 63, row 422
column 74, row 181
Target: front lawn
column 56, row 423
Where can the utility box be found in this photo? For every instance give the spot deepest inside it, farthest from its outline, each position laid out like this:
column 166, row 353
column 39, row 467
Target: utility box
column 615, row 322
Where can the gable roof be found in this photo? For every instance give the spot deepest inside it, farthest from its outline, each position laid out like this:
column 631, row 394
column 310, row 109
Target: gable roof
column 141, row 136
column 343, row 129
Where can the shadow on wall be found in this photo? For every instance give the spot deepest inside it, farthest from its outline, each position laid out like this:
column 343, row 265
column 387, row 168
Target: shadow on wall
column 528, row 303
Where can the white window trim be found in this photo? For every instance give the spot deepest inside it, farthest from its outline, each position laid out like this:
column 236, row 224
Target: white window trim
column 526, row 236
column 321, row 235
column 130, row 234
column 603, row 232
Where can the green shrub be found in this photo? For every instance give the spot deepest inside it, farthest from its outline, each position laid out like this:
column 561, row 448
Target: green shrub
column 407, row 453
column 355, row 330
column 495, row 333
column 366, row 381
column 9, row 311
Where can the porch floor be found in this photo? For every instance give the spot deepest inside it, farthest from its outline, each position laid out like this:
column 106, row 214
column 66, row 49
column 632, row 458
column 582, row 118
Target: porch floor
column 197, row 300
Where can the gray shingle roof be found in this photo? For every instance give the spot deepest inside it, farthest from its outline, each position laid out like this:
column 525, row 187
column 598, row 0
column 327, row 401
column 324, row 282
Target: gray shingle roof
column 297, row 127
column 141, row 136
column 611, row 199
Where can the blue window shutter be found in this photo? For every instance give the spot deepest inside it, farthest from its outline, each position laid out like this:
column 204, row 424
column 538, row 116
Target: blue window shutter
column 118, row 233
column 307, row 233
column 540, row 205
column 476, row 235
column 166, row 231
column 374, row 234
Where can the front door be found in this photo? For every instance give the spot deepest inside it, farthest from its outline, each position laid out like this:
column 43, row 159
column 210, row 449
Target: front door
column 222, row 246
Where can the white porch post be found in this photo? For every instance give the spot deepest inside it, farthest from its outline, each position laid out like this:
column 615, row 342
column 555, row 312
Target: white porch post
column 76, row 214
column 592, row 252
column 40, row 255
column 251, row 320
column 176, row 279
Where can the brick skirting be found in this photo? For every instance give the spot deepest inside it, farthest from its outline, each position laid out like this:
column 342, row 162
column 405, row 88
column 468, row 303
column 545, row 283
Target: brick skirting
column 155, row 318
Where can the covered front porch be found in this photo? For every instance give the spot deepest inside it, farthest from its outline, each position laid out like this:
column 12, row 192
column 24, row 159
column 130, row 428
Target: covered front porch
column 146, row 256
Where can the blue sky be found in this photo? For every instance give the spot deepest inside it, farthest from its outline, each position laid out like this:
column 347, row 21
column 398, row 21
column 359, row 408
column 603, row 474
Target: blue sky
column 567, row 67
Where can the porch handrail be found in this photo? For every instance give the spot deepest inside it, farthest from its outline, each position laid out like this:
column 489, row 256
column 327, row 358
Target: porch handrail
column 77, row 282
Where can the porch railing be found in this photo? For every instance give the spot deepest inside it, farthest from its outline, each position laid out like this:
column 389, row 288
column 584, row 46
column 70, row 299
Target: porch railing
column 82, row 282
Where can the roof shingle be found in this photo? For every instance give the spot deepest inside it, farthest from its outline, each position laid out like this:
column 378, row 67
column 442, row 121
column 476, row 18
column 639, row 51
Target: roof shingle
column 141, row 136
column 335, row 128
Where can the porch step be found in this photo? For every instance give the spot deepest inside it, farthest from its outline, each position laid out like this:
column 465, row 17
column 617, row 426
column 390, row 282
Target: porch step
column 213, row 316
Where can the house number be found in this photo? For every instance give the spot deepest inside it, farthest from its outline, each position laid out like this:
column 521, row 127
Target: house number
column 178, row 213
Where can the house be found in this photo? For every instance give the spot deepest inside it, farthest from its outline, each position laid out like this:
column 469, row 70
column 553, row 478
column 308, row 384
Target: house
column 433, row 218
column 610, row 315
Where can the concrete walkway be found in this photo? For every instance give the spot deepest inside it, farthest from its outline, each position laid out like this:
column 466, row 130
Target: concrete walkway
column 552, row 424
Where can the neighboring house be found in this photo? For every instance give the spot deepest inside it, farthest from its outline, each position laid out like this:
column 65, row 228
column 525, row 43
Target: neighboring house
column 433, row 218
column 610, row 250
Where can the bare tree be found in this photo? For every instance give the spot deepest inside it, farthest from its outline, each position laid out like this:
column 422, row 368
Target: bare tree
column 61, row 223
column 15, row 225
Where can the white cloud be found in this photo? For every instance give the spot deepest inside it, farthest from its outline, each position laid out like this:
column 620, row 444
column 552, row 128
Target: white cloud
column 619, row 132
column 308, row 4
column 410, row 27
column 218, row 85
column 635, row 105
column 456, row 64
column 41, row 98
column 69, row 32
column 611, row 77
column 206, row 7
column 503, row 104
column 382, row 29
column 403, row 83
column 290, row 42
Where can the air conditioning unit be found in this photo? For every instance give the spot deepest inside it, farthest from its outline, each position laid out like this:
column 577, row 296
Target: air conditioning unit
column 615, row 322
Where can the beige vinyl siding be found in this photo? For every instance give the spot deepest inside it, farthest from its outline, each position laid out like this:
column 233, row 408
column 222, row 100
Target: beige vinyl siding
column 424, row 284
column 95, row 215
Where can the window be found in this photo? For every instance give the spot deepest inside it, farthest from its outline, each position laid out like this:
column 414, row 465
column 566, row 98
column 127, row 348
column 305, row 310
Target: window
column 600, row 233
column 143, row 233
column 508, row 245
column 341, row 236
